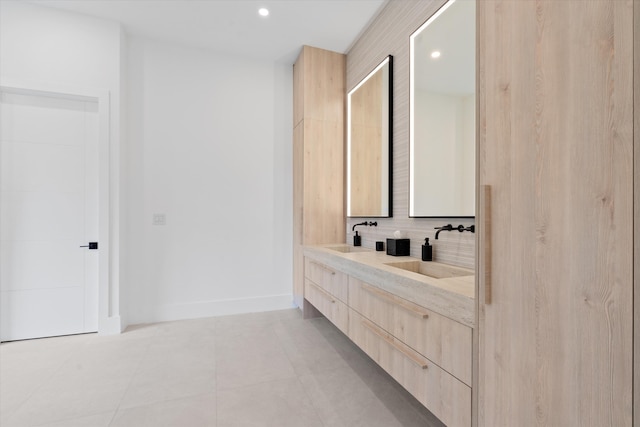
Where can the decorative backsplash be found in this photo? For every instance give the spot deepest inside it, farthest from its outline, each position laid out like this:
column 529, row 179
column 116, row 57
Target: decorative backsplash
column 452, row 247
column 388, row 34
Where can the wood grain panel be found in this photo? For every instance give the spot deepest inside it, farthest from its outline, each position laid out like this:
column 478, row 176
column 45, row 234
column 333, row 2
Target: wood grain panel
column 480, row 212
column 331, row 307
column 298, row 90
column 556, row 148
column 298, row 209
column 483, row 271
column 324, row 84
column 323, row 182
column 636, row 211
column 318, row 155
column 332, row 281
column 445, row 396
column 388, row 34
column 443, row 341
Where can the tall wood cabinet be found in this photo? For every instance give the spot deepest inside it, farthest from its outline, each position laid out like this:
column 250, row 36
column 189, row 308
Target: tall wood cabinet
column 319, row 85
column 556, row 244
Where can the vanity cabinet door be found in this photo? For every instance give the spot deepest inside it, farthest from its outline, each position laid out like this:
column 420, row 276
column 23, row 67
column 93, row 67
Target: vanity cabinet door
column 447, row 397
column 328, row 279
column 555, row 279
column 442, row 340
column 331, row 307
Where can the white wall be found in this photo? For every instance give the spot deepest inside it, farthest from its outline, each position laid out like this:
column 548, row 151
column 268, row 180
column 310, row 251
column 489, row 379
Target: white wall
column 42, row 46
column 209, row 147
column 208, row 143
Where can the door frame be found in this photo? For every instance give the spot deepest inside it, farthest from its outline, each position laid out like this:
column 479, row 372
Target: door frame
column 108, row 323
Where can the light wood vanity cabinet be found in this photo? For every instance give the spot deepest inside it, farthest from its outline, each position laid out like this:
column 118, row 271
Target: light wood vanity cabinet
column 331, row 307
column 447, row 397
column 326, row 289
column 427, row 353
column 332, row 281
column 441, row 340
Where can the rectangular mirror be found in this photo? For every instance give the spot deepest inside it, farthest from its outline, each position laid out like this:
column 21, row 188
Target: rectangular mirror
column 369, row 129
column 442, row 135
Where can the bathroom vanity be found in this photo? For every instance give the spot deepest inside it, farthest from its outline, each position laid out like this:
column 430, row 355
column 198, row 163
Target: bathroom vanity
column 414, row 318
column 551, row 337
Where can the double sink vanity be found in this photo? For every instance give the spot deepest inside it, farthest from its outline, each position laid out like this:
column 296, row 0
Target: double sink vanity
column 414, row 318
column 465, row 132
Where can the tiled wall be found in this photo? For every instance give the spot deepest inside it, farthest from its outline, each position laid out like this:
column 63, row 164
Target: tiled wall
column 388, row 34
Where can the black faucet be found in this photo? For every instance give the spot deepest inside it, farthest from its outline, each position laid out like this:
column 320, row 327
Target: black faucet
column 471, row 228
column 460, row 228
column 355, row 225
column 447, row 227
column 357, row 240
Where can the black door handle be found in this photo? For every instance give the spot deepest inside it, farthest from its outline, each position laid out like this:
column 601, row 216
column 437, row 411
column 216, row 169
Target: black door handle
column 91, row 245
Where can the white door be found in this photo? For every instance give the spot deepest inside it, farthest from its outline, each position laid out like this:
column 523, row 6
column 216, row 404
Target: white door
column 49, row 208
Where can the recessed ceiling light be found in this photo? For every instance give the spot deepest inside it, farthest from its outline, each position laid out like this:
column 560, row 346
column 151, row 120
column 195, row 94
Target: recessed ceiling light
column 263, row 11
column 435, row 54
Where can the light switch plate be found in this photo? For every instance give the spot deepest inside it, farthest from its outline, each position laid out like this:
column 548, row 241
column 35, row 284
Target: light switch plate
column 159, row 219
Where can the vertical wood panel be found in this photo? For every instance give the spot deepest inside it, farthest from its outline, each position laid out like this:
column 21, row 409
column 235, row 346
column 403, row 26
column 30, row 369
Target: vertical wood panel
column 636, row 211
column 483, row 271
column 556, row 146
column 318, row 155
column 323, row 182
column 476, row 405
column 324, row 84
column 298, row 205
column 298, row 90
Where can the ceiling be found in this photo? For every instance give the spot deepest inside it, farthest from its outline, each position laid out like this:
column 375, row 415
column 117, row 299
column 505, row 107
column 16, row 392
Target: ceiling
column 453, row 72
column 234, row 26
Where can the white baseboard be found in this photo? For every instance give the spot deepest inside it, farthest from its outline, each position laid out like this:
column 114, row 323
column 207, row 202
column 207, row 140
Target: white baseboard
column 196, row 310
column 110, row 326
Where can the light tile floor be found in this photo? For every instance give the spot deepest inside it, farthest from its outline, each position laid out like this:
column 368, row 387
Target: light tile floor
column 261, row 369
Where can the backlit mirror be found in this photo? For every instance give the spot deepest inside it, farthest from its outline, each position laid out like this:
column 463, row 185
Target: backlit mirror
column 442, row 113
column 369, row 144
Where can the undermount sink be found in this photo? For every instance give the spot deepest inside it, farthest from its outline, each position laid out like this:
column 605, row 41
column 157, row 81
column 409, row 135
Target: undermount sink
column 432, row 269
column 344, row 248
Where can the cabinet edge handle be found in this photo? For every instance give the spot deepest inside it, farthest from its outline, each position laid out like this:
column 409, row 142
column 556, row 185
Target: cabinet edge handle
column 484, row 238
column 409, row 353
column 394, row 300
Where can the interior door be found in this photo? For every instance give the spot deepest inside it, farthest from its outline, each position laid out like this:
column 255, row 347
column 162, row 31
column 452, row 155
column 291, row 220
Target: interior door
column 49, row 210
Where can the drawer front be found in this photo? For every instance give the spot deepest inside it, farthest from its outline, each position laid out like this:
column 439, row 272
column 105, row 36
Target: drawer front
column 334, row 282
column 447, row 397
column 442, row 340
column 332, row 308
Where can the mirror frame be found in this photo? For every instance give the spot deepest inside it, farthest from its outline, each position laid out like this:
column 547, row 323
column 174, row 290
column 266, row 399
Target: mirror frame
column 386, row 60
column 412, row 38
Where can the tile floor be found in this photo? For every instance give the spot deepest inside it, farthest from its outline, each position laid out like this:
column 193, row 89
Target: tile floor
column 262, row 369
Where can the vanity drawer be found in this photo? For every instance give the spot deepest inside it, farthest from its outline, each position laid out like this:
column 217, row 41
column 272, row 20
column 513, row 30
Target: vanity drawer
column 332, row 308
column 442, row 340
column 334, row 282
column 447, row 397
